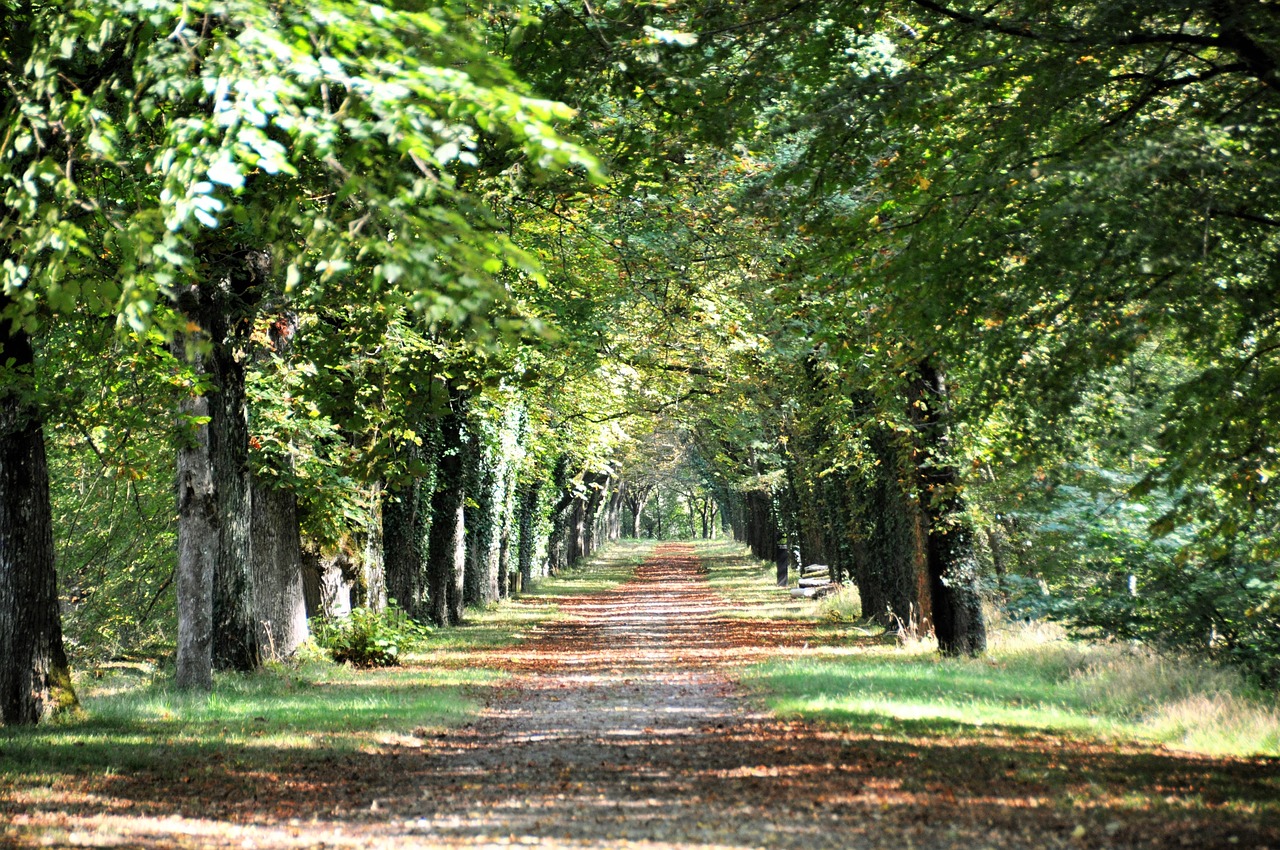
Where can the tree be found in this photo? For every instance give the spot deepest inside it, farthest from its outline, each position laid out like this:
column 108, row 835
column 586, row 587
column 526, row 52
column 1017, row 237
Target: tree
column 35, row 679
column 244, row 132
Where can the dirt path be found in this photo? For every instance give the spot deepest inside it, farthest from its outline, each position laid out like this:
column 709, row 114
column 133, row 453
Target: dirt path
column 621, row 728
column 624, row 729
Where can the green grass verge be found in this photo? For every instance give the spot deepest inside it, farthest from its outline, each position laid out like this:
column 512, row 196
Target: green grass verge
column 259, row 720
column 913, row 692
column 1033, row 680
column 133, row 719
column 605, row 570
column 748, row 584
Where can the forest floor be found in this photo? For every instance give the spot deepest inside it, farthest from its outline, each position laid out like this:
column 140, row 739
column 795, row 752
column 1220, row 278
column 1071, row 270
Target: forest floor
column 620, row 725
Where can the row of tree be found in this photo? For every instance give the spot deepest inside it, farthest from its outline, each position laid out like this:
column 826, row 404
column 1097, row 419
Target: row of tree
column 270, row 220
column 964, row 287
column 936, row 294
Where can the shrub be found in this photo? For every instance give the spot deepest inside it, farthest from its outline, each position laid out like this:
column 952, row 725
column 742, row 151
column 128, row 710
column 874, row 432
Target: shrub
column 366, row 638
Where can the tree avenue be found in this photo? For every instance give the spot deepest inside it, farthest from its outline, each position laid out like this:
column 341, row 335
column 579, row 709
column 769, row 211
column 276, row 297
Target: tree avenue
column 967, row 303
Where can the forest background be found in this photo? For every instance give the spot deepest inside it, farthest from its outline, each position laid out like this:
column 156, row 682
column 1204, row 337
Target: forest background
column 416, row 303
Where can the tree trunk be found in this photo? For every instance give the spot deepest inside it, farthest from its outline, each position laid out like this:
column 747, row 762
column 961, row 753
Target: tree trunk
column 235, row 628
column 197, row 538
column 506, row 524
column 446, row 550
column 527, row 529
column 573, row 547
column 597, row 484
column 613, row 515
column 558, row 540
column 457, row 604
column 373, row 563
column 957, row 607
column 281, row 612
column 35, row 679
column 482, row 522
column 635, row 499
column 327, row 583
column 222, row 308
column 738, row 518
column 406, row 528
column 894, row 582
column 761, row 525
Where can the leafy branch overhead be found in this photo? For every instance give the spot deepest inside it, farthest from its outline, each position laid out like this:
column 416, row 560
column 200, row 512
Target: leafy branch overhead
column 334, row 131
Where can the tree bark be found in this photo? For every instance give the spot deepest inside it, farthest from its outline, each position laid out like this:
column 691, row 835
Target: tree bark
column 761, row 525
column 577, row 534
column 597, row 483
column 373, row 563
column 506, row 576
column 222, row 307
column 635, row 498
column 894, row 580
column 526, row 524
column 235, row 627
column 406, row 529
column 957, row 607
column 278, row 600
column 197, row 538
column 446, row 548
column 35, row 678
column 480, row 586
column 327, row 583
column 613, row 514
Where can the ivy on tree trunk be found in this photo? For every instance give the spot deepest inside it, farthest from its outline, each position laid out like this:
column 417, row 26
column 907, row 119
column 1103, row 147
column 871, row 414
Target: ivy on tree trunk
column 447, row 549
column 957, row 607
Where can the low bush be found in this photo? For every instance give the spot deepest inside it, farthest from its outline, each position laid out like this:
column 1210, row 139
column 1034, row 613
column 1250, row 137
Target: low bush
column 367, row 638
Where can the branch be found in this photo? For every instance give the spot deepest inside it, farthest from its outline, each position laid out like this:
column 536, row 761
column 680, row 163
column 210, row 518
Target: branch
column 771, row 19
column 623, row 414
column 1245, row 216
column 146, row 614
column 1025, row 29
column 1256, row 61
column 678, row 368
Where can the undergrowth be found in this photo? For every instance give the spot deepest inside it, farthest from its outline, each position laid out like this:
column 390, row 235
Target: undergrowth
column 367, row 638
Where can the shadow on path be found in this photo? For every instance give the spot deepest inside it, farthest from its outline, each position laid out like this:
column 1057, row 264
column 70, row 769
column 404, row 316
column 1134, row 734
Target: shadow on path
column 621, row 726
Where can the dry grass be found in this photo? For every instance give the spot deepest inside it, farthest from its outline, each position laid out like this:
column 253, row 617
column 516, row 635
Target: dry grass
column 1033, row 674
column 1182, row 702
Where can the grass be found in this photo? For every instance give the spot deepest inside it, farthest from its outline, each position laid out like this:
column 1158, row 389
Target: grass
column 509, row 622
column 133, row 719
column 256, row 720
column 1034, row 679
column 605, row 570
column 749, row 585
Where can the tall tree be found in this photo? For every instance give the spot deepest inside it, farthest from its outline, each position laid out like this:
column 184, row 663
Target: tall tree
column 249, row 127
column 35, row 678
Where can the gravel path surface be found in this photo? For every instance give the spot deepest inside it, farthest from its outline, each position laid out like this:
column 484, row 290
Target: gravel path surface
column 621, row 728
column 625, row 731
